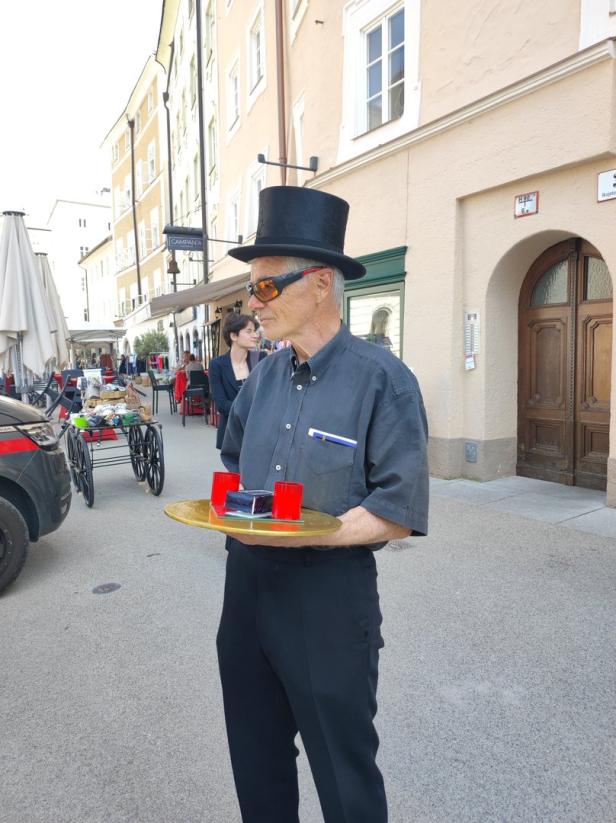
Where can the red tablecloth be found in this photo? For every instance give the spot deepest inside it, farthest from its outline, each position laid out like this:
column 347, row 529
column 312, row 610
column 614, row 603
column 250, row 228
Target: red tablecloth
column 180, row 385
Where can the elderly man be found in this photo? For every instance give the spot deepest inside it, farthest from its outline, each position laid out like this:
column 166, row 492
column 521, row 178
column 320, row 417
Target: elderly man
column 299, row 637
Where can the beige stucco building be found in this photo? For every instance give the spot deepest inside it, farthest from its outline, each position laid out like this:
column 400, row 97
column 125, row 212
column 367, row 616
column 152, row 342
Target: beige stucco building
column 138, row 152
column 469, row 140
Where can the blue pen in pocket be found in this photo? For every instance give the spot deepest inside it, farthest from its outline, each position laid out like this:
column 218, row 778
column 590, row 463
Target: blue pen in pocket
column 317, row 434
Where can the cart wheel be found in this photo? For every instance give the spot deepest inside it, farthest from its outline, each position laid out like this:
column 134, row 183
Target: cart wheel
column 71, row 453
column 137, row 451
column 154, row 460
column 86, row 481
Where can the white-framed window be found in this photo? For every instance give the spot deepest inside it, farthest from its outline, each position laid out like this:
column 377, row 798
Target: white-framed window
column 145, row 291
column 150, row 104
column 118, row 202
column 154, row 228
column 187, row 194
column 139, row 177
column 178, row 130
column 156, row 276
column 385, row 70
column 182, row 210
column 297, row 10
column 196, row 176
column 233, row 96
column 151, row 161
column 193, row 80
column 127, row 191
column 233, row 214
column 181, row 48
column 380, row 85
column 597, row 21
column 209, row 38
column 183, row 111
column 298, row 134
column 115, row 152
column 212, row 147
column 256, row 182
column 138, row 122
column 119, row 255
column 144, row 246
column 127, row 140
column 191, row 8
column 130, row 249
column 256, row 56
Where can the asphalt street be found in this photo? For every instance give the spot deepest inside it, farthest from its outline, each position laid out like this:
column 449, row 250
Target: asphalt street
column 497, row 698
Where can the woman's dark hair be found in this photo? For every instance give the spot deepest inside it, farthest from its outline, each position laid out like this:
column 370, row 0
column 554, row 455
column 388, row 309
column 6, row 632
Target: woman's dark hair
column 234, row 324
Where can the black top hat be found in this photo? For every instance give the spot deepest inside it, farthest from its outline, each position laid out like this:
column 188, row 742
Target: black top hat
column 299, row 222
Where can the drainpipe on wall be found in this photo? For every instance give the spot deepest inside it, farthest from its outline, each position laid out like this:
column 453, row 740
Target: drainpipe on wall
column 131, row 126
column 202, row 155
column 282, row 132
column 169, row 158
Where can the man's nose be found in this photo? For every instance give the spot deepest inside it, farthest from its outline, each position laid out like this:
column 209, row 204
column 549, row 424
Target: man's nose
column 254, row 302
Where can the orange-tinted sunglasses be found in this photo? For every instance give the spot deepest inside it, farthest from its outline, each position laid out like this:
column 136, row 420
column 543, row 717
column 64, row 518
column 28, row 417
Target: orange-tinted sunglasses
column 268, row 288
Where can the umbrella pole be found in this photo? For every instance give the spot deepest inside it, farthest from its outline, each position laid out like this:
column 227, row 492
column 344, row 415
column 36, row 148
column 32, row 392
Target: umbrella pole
column 20, row 378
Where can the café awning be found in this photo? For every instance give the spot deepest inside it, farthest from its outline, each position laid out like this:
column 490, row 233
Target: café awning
column 203, row 293
column 91, row 333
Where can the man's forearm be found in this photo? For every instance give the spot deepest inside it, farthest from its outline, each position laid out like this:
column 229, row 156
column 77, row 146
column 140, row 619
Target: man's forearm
column 359, row 528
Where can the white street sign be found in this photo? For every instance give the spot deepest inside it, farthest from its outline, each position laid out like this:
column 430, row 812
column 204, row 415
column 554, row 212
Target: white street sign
column 606, row 188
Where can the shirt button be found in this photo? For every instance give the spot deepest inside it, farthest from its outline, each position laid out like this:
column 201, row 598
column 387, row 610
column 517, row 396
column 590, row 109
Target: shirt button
column 314, row 377
column 278, row 468
column 300, row 387
column 288, row 426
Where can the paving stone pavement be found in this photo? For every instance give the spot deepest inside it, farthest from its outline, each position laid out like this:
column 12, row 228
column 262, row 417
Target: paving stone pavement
column 496, row 694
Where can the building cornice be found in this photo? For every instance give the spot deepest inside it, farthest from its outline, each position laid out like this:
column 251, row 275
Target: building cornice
column 96, row 248
column 581, row 61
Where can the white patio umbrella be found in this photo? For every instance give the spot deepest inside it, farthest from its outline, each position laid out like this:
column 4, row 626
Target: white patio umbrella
column 25, row 319
column 61, row 333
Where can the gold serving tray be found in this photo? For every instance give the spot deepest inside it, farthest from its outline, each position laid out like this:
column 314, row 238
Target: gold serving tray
column 198, row 513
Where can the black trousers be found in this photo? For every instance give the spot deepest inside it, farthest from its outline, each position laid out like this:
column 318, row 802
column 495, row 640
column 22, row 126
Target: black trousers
column 298, row 649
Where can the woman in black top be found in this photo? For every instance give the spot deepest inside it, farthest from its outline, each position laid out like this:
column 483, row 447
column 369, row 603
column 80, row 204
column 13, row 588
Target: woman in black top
column 228, row 372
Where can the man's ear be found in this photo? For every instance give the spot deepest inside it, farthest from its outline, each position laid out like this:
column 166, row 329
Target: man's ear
column 324, row 280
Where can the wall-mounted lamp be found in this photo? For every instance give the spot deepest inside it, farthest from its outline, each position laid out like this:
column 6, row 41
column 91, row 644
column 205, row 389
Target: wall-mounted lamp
column 313, row 163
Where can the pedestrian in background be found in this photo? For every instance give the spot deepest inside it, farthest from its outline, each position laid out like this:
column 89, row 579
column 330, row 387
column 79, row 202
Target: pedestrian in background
column 228, row 372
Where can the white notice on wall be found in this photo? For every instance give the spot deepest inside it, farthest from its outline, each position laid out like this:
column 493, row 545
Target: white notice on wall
column 606, row 185
column 526, row 204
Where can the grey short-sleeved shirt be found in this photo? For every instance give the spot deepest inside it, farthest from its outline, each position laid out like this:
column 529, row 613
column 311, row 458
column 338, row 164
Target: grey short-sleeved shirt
column 349, row 388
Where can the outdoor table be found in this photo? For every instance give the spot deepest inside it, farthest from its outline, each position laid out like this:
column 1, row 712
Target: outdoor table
column 141, row 445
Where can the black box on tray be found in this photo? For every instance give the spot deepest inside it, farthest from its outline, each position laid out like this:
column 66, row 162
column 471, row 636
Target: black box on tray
column 258, row 501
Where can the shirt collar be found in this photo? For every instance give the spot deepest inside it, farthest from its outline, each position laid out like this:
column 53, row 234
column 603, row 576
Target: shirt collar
column 321, row 359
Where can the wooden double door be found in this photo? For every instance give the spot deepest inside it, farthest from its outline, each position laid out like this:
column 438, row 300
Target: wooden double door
column 565, row 358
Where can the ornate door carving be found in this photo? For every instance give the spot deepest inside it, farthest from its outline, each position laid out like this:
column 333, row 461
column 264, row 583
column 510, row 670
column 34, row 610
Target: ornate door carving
column 565, row 345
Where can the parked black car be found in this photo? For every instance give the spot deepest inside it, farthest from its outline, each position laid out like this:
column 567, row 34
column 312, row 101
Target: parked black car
column 35, row 490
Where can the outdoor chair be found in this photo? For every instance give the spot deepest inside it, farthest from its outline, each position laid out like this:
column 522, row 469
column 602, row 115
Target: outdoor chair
column 40, row 391
column 72, row 392
column 196, row 393
column 157, row 388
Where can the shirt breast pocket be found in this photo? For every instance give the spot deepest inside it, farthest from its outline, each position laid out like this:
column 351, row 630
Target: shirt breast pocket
column 327, row 470
column 325, row 457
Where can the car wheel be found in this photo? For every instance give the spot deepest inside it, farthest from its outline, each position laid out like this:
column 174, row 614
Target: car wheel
column 13, row 542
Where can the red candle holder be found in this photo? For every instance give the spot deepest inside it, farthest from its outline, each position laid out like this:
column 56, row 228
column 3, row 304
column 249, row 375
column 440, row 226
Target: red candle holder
column 287, row 503
column 223, row 482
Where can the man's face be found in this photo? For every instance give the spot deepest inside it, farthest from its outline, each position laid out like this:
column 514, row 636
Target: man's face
column 186, row 357
column 286, row 315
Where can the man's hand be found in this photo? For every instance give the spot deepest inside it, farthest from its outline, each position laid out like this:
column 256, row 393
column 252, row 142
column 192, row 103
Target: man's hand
column 359, row 528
